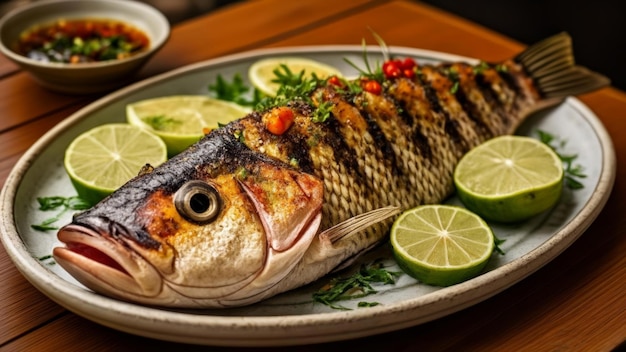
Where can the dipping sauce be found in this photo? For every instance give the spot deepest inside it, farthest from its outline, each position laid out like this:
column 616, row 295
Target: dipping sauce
column 82, row 40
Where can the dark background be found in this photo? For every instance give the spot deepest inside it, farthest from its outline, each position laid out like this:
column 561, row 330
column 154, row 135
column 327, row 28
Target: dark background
column 597, row 27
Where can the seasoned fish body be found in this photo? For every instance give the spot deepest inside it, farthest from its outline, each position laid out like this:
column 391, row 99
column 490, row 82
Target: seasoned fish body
column 247, row 213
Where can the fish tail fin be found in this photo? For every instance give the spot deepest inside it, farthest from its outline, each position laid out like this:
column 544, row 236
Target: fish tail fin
column 550, row 63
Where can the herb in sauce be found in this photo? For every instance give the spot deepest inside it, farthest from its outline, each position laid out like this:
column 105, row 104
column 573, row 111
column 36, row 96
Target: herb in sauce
column 84, row 40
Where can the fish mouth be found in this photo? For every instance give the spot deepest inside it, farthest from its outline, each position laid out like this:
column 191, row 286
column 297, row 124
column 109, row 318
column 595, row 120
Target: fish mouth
column 105, row 264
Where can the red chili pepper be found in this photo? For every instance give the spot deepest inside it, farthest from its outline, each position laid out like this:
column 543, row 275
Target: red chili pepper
column 399, row 68
column 408, row 64
column 373, row 87
column 279, row 120
column 335, row 81
column 391, row 69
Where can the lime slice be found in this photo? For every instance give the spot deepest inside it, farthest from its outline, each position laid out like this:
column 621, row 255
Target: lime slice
column 102, row 159
column 509, row 178
column 181, row 120
column 441, row 245
column 261, row 73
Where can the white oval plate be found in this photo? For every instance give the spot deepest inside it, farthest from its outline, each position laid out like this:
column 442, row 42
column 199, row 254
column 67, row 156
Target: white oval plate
column 293, row 318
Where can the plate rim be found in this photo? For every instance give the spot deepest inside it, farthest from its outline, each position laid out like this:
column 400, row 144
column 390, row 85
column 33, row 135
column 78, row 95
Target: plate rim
column 286, row 329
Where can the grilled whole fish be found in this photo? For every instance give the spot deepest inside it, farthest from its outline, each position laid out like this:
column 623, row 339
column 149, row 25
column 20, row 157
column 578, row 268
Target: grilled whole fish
column 245, row 214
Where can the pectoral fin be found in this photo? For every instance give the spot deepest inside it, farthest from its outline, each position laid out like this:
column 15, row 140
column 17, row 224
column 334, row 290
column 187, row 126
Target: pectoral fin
column 358, row 223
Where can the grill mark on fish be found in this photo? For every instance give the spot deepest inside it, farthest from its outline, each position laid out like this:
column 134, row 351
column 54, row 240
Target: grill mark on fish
column 491, row 97
column 451, row 128
column 344, row 153
column 472, row 112
column 381, row 142
column 431, row 95
column 403, row 112
column 510, row 81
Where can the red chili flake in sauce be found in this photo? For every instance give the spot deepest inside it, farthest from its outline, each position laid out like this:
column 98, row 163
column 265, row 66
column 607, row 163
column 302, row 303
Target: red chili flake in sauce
column 82, row 40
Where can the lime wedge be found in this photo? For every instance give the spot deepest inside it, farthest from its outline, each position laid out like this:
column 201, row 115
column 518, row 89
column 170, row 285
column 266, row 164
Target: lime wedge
column 261, row 73
column 181, row 120
column 509, row 178
column 102, row 159
column 441, row 245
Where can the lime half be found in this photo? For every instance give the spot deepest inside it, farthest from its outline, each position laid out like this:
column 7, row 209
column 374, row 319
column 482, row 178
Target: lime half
column 509, row 178
column 441, row 245
column 102, row 159
column 261, row 73
column 181, row 120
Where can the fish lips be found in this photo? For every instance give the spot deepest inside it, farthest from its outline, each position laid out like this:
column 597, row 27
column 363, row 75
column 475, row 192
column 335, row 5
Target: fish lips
column 105, row 264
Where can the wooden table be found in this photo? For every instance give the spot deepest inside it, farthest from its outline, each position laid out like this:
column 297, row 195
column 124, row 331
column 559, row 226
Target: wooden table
column 576, row 302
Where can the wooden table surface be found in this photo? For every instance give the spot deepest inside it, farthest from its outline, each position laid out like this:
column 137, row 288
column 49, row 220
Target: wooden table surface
column 575, row 303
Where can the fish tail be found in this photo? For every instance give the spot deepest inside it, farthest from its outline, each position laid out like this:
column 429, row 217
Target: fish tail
column 550, row 63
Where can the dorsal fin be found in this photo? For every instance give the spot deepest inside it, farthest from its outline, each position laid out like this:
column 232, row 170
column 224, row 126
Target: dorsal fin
column 551, row 65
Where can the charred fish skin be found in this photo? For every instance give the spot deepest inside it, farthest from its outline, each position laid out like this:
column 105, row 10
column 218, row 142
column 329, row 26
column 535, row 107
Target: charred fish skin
column 278, row 211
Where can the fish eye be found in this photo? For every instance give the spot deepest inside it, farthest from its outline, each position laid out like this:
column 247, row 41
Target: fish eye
column 198, row 201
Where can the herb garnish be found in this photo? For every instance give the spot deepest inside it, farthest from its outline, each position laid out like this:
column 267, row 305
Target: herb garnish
column 235, row 91
column 572, row 171
column 53, row 203
column 368, row 73
column 453, row 76
column 355, row 286
column 47, row 259
column 294, row 87
column 160, row 122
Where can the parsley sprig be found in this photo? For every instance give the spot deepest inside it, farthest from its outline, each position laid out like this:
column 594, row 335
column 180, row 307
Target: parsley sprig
column 236, row 91
column 54, row 203
column 573, row 171
column 356, row 286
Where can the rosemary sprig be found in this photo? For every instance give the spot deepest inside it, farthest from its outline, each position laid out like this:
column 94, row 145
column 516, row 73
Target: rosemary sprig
column 376, row 74
column 573, row 171
column 356, row 286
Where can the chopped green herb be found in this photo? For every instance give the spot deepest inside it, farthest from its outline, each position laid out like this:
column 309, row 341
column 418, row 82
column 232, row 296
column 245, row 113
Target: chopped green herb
column 498, row 242
column 453, row 76
column 501, row 68
column 480, row 68
column 54, row 203
column 322, row 113
column 455, row 87
column 572, row 171
column 47, row 259
column 160, row 122
column 356, row 286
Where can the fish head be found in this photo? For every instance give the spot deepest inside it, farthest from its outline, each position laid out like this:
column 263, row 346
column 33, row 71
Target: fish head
column 217, row 225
